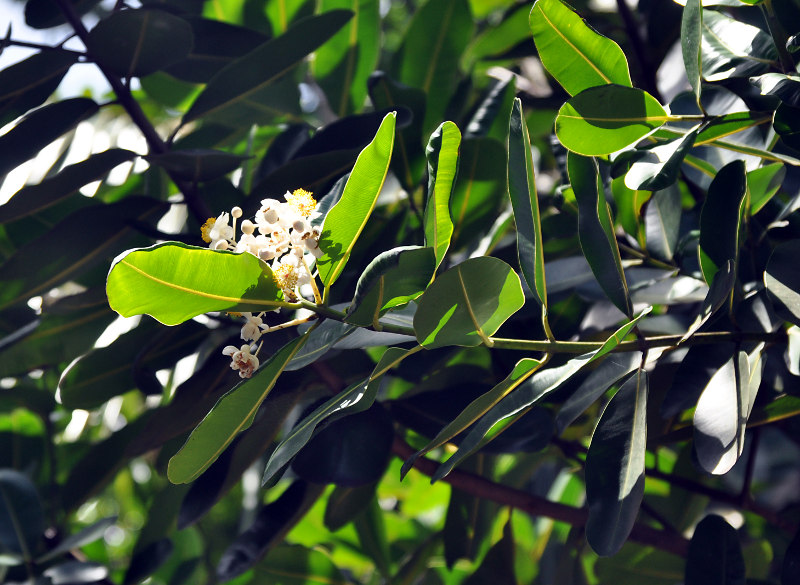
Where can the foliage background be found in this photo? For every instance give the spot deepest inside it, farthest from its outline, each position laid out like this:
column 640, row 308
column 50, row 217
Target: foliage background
column 215, row 104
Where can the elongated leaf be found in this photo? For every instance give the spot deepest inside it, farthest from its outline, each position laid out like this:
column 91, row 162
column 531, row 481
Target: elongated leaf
column 718, row 294
column 721, row 415
column 468, row 303
column 40, row 128
column 354, row 399
column 573, row 53
column 429, row 55
column 27, row 84
column 296, row 565
column 602, row 120
column 517, row 403
column 608, row 373
column 393, row 278
column 346, row 220
column 691, row 40
column 345, row 503
column 85, row 536
column 662, row 219
column 36, row 197
column 715, row 554
column 21, row 514
column 138, row 42
column 174, row 282
column 371, row 531
column 659, row 166
column 197, row 164
column 732, row 48
column 491, row 117
column 615, row 467
column 232, row 414
column 343, row 65
column 95, row 233
column 783, row 280
column 476, row 409
column 239, row 81
column 442, row 153
column 721, row 219
column 596, row 231
column 525, row 201
column 319, row 341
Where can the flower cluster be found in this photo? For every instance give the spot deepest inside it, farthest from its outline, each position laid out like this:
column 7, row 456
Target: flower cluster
column 280, row 234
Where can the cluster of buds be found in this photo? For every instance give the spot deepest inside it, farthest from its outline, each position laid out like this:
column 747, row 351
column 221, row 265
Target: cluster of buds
column 280, row 234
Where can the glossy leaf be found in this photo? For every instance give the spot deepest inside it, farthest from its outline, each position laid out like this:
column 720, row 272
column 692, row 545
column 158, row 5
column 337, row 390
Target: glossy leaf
column 783, row 281
column 763, row 184
column 51, row 191
column 393, row 278
column 723, row 409
column 442, row 153
column 429, row 55
column 468, row 303
column 721, row 219
column 715, row 554
column 343, row 65
column 615, row 467
column 174, row 282
column 602, row 120
column 197, row 164
column 573, row 53
column 491, row 117
column 319, row 341
column 138, row 42
column 243, row 78
column 596, row 231
column 40, row 128
column 22, row 520
column 691, row 41
column 232, row 414
column 732, row 48
column 662, row 219
column 347, row 219
column 477, row 408
column 27, row 84
column 525, row 201
column 658, row 167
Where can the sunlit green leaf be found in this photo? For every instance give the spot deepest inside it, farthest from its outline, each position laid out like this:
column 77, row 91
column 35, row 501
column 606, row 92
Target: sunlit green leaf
column 658, row 166
column 691, row 40
column 732, row 48
column 442, row 153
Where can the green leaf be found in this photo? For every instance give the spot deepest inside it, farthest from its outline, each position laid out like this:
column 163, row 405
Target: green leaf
column 718, row 294
column 174, row 282
column 602, row 120
column 499, row 39
column 476, row 409
column 94, row 233
column 343, row 65
column 428, row 57
column 662, row 219
column 50, row 191
column 636, row 562
column 346, row 220
column 615, row 467
column 573, row 53
column 296, row 565
column 491, row 116
column 41, row 14
column 442, row 153
column 596, row 231
column 659, row 165
column 22, row 520
column 27, row 84
column 715, row 554
column 135, row 43
column 354, row 399
column 345, row 503
column 721, row 415
column 763, row 183
column 525, row 201
column 240, row 81
column 87, row 535
column 691, row 40
column 782, row 280
column 39, row 128
column 721, row 219
column 198, row 164
column 468, row 303
column 498, row 564
column 393, row 278
column 233, row 413
column 732, row 48
column 372, row 537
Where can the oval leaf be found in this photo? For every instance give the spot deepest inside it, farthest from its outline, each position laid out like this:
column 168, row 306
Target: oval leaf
column 468, row 303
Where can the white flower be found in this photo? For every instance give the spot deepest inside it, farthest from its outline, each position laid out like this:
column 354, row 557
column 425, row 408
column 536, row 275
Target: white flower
column 216, row 231
column 242, row 359
column 251, row 330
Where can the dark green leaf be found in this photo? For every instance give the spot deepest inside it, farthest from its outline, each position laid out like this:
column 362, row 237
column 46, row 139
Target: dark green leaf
column 468, row 303
column 85, row 536
column 27, row 84
column 239, row 81
column 662, row 219
column 658, row 166
column 442, row 153
column 615, row 467
column 718, row 294
column 319, row 341
column 47, row 13
column 498, row 564
column 604, row 119
column 790, row 572
column 51, row 191
column 295, row 565
column 630, row 564
column 371, row 532
column 525, row 201
column 345, row 503
column 691, row 37
column 40, row 128
column 721, row 219
column 232, row 414
column 573, row 53
column 732, row 48
column 715, row 555
column 490, row 117
column 393, row 278
column 596, row 231
column 21, row 516
column 198, row 164
column 135, row 43
column 783, row 280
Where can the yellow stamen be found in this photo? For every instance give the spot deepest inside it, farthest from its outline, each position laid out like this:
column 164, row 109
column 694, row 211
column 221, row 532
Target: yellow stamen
column 302, row 202
column 206, row 228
